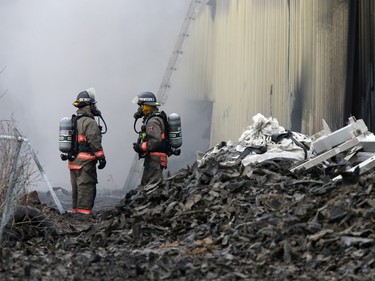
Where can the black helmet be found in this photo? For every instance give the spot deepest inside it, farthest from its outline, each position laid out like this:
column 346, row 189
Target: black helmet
column 85, row 98
column 147, row 98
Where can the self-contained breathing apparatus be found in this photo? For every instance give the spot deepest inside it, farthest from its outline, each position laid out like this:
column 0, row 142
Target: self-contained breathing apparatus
column 173, row 133
column 68, row 143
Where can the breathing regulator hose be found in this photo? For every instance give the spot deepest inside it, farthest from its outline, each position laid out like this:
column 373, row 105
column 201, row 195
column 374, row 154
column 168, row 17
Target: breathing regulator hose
column 135, row 126
column 100, row 127
column 137, row 115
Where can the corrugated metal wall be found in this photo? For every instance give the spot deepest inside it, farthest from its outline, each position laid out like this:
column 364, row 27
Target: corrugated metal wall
column 280, row 58
column 360, row 86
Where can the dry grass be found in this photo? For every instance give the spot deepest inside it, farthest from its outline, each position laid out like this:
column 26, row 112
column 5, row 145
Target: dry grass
column 25, row 172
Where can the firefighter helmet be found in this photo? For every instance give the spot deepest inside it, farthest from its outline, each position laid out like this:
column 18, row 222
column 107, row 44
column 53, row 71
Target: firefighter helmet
column 86, row 97
column 147, row 98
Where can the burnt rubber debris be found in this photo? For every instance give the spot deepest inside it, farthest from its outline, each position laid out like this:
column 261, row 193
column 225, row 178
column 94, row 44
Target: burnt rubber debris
column 254, row 209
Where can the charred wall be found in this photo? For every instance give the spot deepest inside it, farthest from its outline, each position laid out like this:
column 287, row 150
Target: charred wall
column 361, row 53
column 282, row 58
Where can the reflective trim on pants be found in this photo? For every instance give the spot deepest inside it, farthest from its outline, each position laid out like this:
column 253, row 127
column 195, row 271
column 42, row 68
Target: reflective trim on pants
column 83, row 211
column 163, row 158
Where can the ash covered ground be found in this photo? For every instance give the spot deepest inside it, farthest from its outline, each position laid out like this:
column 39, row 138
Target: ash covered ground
column 217, row 219
column 259, row 222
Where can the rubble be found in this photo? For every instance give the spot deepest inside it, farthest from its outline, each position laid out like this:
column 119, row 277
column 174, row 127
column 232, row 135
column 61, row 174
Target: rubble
column 218, row 219
column 266, row 140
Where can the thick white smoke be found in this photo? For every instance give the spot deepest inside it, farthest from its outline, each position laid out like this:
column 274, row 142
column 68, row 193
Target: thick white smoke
column 54, row 49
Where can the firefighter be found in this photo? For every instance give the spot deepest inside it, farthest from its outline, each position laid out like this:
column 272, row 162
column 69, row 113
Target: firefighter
column 88, row 152
column 151, row 144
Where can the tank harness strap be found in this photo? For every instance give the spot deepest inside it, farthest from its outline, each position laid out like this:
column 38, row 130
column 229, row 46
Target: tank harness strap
column 165, row 145
column 81, row 139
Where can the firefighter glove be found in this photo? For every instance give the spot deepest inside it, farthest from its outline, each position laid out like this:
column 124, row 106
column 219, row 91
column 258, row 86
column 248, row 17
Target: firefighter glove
column 102, row 163
column 136, row 147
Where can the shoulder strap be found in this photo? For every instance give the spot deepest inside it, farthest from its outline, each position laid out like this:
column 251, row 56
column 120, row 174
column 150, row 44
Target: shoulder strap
column 73, row 153
column 157, row 114
column 74, row 119
column 164, row 117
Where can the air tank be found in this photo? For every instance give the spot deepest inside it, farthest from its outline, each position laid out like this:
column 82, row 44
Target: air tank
column 65, row 135
column 175, row 133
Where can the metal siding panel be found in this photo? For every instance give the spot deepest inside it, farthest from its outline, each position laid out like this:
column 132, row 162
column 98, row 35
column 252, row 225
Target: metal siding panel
column 281, row 58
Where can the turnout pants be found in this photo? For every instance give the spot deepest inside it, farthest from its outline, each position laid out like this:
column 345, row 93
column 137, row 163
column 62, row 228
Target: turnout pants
column 153, row 171
column 84, row 188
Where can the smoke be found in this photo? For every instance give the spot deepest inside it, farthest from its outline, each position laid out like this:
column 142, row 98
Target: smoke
column 54, row 49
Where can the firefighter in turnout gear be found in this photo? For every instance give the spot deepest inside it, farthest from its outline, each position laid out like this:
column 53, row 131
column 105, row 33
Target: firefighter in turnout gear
column 88, row 151
column 151, row 141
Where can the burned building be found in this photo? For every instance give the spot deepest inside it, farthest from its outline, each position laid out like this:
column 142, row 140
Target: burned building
column 298, row 61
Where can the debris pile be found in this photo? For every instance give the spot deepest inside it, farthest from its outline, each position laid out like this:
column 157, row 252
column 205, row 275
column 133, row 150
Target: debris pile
column 217, row 220
column 264, row 139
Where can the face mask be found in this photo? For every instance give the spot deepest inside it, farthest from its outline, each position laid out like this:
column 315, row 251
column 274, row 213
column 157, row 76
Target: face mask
column 139, row 113
column 95, row 111
column 146, row 109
